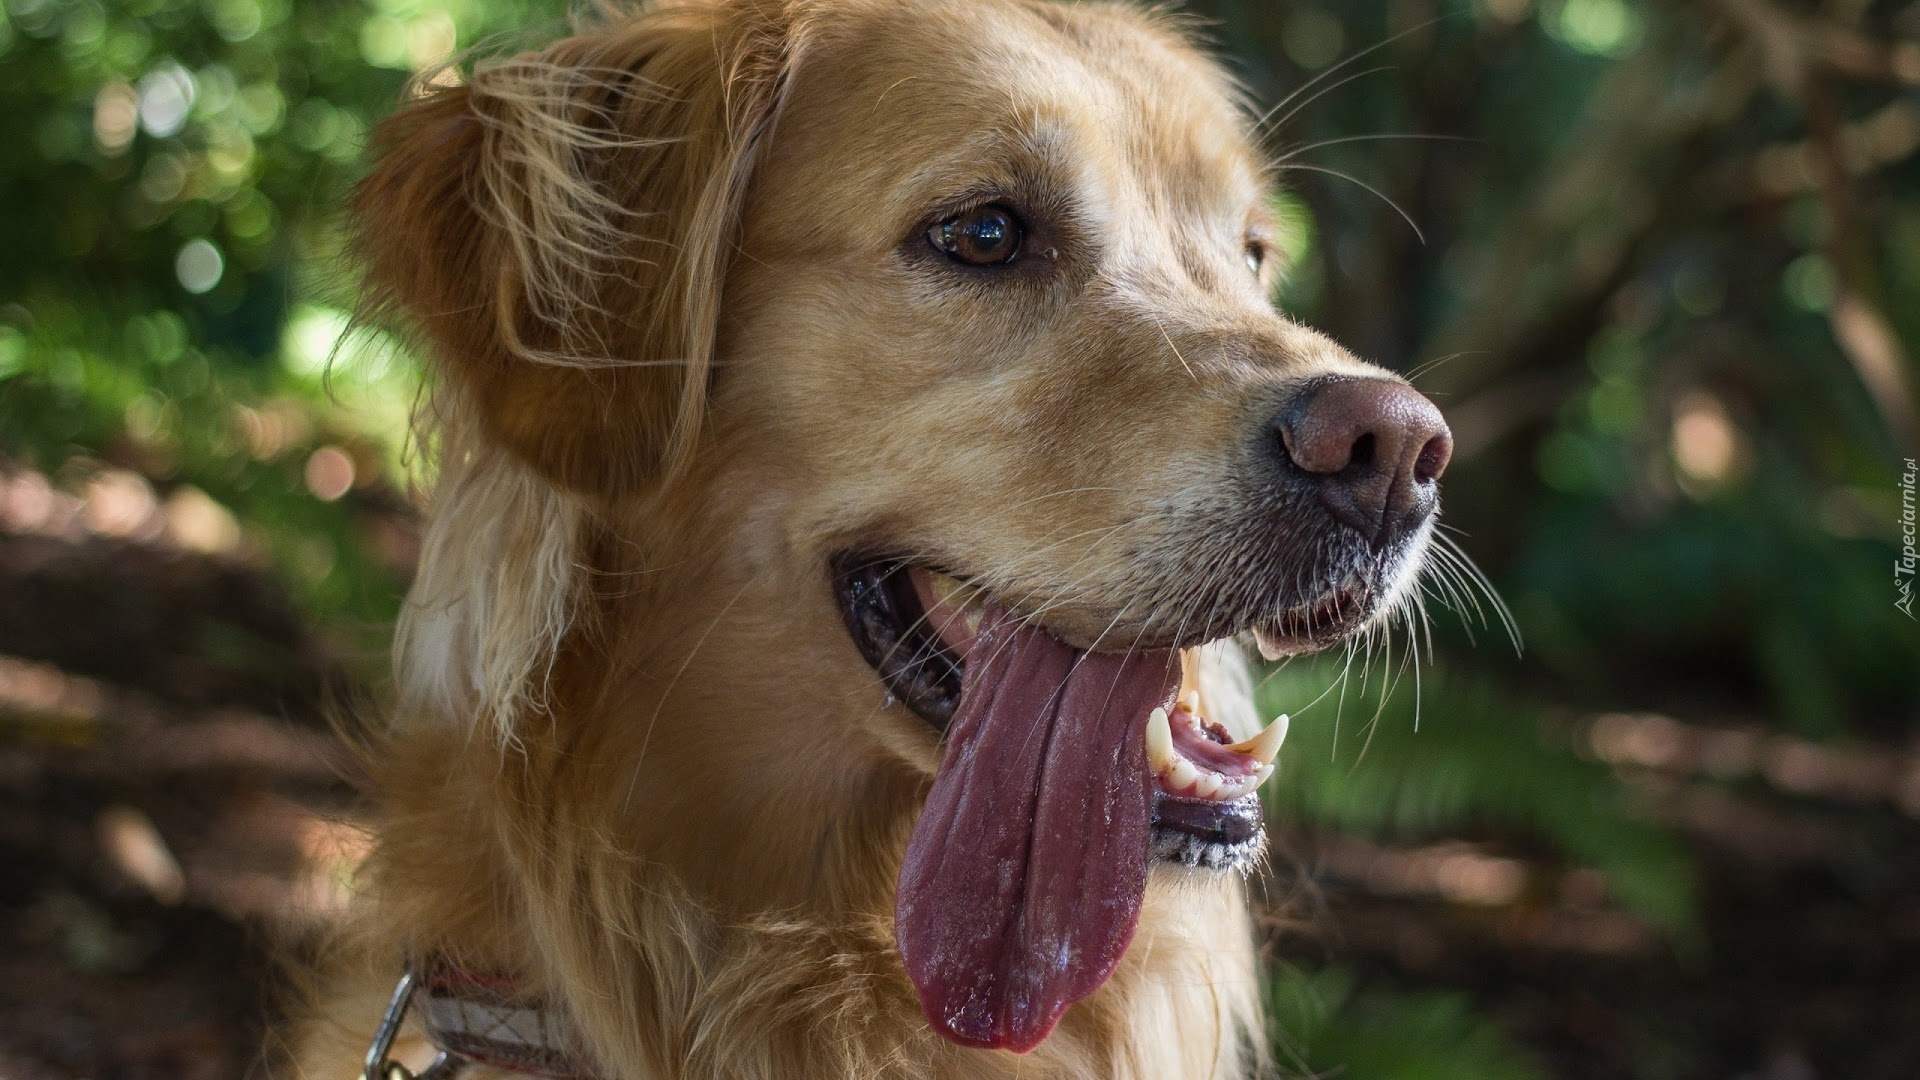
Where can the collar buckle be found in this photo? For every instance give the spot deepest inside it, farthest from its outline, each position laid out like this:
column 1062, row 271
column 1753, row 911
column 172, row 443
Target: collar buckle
column 381, row 1067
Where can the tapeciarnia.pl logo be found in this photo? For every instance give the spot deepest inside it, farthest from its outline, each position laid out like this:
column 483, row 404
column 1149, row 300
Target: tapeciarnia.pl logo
column 1903, row 567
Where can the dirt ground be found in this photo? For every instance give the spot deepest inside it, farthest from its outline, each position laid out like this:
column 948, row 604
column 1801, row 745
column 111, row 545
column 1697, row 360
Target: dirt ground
column 172, row 817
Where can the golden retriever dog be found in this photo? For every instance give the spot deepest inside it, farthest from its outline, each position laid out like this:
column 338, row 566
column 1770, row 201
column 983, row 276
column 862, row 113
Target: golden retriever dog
column 863, row 440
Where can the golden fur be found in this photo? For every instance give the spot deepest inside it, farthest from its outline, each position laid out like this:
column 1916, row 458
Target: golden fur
column 684, row 354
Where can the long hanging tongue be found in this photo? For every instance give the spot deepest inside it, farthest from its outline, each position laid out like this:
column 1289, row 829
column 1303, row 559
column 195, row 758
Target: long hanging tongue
column 1023, row 880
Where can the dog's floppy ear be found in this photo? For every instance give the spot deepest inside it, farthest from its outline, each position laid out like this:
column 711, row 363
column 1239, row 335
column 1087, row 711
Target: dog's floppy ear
column 559, row 227
column 558, row 232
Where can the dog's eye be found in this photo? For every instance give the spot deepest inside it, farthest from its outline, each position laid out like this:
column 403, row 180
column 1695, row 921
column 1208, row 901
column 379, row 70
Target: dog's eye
column 1256, row 256
column 987, row 236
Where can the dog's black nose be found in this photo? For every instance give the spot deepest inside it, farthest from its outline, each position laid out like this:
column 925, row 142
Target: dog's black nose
column 1373, row 447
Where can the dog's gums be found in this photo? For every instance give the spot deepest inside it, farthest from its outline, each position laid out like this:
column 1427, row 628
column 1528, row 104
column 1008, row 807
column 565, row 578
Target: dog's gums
column 889, row 625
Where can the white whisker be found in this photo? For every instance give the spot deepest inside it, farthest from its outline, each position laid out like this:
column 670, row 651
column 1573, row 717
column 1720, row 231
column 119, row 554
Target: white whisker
column 1379, row 137
column 1382, row 196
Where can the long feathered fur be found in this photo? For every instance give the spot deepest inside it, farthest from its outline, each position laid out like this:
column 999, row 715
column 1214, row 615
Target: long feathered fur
column 560, row 231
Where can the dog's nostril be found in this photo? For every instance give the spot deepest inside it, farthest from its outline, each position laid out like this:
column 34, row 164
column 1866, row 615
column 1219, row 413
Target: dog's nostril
column 1433, row 458
column 1362, row 452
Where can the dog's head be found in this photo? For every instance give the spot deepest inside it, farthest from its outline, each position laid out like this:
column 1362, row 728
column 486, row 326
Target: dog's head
column 823, row 378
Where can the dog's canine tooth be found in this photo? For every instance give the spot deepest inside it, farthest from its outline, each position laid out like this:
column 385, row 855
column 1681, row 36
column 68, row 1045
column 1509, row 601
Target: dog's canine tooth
column 1270, row 647
column 1265, row 746
column 1159, row 742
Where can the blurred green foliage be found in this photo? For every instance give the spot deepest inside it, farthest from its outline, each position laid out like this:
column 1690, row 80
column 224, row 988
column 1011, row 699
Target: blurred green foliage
column 1664, row 266
column 1625, row 297
column 1476, row 759
column 1328, row 1027
column 172, row 291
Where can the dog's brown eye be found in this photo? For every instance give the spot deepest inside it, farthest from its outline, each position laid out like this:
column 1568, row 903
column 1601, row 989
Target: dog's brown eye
column 987, row 236
column 1256, row 256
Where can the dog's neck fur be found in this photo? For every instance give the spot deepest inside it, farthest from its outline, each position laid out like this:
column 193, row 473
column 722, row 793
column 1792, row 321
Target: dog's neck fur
column 558, row 856
column 662, row 985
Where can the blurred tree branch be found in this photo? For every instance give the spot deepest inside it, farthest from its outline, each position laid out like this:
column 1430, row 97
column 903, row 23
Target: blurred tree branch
column 1887, row 137
column 1622, row 183
column 1580, row 234
column 1801, row 63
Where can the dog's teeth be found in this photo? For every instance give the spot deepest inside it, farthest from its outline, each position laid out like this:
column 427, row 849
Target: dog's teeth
column 958, row 596
column 1182, row 775
column 1159, row 742
column 1239, row 787
column 1179, row 776
column 1270, row 646
column 1265, row 746
column 944, row 586
column 1190, row 701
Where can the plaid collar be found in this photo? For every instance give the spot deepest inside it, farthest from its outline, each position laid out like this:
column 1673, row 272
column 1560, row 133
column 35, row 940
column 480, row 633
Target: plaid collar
column 483, row 1018
column 477, row 1018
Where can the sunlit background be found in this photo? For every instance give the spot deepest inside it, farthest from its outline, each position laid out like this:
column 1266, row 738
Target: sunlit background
column 1658, row 263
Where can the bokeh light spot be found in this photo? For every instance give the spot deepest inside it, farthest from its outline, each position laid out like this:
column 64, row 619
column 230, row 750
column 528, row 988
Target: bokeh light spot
column 1600, row 27
column 1808, row 283
column 1706, row 445
column 166, row 98
column 430, row 40
column 198, row 266
column 1313, row 38
column 116, row 116
column 196, row 522
column 383, row 42
column 329, row 473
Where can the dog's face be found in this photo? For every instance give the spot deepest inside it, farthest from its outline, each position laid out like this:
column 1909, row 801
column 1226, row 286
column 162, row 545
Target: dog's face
column 999, row 436
column 1002, row 313
column 1004, row 296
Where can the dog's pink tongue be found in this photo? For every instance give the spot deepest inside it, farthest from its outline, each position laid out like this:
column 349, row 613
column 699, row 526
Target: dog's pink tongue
column 1023, row 880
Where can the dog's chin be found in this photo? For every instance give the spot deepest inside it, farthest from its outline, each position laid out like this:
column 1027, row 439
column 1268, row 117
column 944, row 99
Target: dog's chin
column 916, row 624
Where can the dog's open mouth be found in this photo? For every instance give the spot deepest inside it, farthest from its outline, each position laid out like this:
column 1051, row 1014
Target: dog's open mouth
column 1065, row 773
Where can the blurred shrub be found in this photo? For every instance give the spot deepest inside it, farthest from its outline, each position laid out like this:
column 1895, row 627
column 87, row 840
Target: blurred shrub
column 1357, row 764
column 172, row 296
column 1326, row 1026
